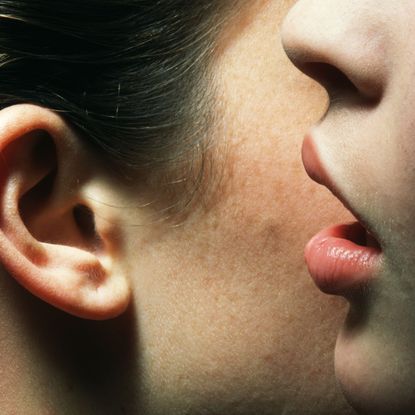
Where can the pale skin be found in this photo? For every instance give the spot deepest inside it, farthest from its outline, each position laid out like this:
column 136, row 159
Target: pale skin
column 366, row 143
column 217, row 314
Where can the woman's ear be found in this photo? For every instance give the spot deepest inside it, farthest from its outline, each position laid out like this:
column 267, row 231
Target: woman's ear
column 50, row 240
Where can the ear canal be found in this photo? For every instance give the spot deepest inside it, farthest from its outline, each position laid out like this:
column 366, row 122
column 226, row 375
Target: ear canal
column 84, row 218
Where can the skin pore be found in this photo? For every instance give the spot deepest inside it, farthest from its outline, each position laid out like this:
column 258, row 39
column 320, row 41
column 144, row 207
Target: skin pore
column 222, row 317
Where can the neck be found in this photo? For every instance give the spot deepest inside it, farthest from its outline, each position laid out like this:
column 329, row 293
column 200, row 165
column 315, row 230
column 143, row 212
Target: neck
column 51, row 362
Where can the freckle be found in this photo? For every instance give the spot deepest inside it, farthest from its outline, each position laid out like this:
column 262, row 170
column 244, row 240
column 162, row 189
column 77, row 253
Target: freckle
column 269, row 358
column 270, row 235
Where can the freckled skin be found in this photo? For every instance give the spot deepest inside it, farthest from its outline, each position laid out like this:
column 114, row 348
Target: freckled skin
column 244, row 323
column 224, row 317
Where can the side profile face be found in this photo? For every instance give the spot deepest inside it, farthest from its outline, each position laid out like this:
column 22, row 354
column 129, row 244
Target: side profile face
column 362, row 52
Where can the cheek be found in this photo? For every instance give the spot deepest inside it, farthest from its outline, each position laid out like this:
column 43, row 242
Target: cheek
column 228, row 293
column 231, row 314
column 227, row 303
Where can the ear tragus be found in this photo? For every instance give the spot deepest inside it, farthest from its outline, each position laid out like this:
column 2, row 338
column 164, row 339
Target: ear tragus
column 48, row 238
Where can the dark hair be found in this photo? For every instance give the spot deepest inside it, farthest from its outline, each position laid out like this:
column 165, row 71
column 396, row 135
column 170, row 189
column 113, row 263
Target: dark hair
column 131, row 75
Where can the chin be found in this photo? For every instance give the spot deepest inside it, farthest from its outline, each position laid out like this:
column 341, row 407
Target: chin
column 376, row 379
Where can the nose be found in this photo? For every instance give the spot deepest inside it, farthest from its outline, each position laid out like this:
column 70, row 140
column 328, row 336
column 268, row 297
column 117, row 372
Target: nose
column 339, row 46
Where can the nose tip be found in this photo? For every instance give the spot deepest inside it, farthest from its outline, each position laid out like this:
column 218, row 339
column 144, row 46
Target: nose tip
column 304, row 40
column 330, row 46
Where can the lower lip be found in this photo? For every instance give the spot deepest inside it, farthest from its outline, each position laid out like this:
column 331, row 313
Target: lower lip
column 337, row 264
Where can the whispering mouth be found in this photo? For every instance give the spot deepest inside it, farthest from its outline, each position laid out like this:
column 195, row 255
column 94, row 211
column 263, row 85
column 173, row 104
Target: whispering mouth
column 345, row 257
column 360, row 235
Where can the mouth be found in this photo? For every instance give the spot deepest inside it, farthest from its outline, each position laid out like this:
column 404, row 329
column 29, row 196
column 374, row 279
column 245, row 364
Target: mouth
column 342, row 259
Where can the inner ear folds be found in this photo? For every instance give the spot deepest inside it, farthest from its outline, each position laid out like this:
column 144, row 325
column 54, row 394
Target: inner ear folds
column 33, row 161
column 48, row 238
column 43, row 208
column 35, row 152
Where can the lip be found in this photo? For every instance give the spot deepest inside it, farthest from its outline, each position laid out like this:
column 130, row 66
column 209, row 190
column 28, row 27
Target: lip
column 341, row 259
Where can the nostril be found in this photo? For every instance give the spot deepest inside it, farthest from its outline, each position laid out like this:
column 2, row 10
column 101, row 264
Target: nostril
column 328, row 44
column 341, row 84
column 332, row 79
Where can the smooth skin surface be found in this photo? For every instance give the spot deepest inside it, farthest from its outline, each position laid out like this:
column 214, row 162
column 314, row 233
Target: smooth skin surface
column 366, row 144
column 222, row 316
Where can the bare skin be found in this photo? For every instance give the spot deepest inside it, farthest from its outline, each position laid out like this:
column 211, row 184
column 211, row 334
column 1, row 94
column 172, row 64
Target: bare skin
column 217, row 315
column 365, row 144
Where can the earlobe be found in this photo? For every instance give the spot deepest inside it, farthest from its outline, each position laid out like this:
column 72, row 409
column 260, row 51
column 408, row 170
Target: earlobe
column 49, row 241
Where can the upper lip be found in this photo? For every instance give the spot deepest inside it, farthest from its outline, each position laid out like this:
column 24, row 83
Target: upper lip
column 325, row 180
